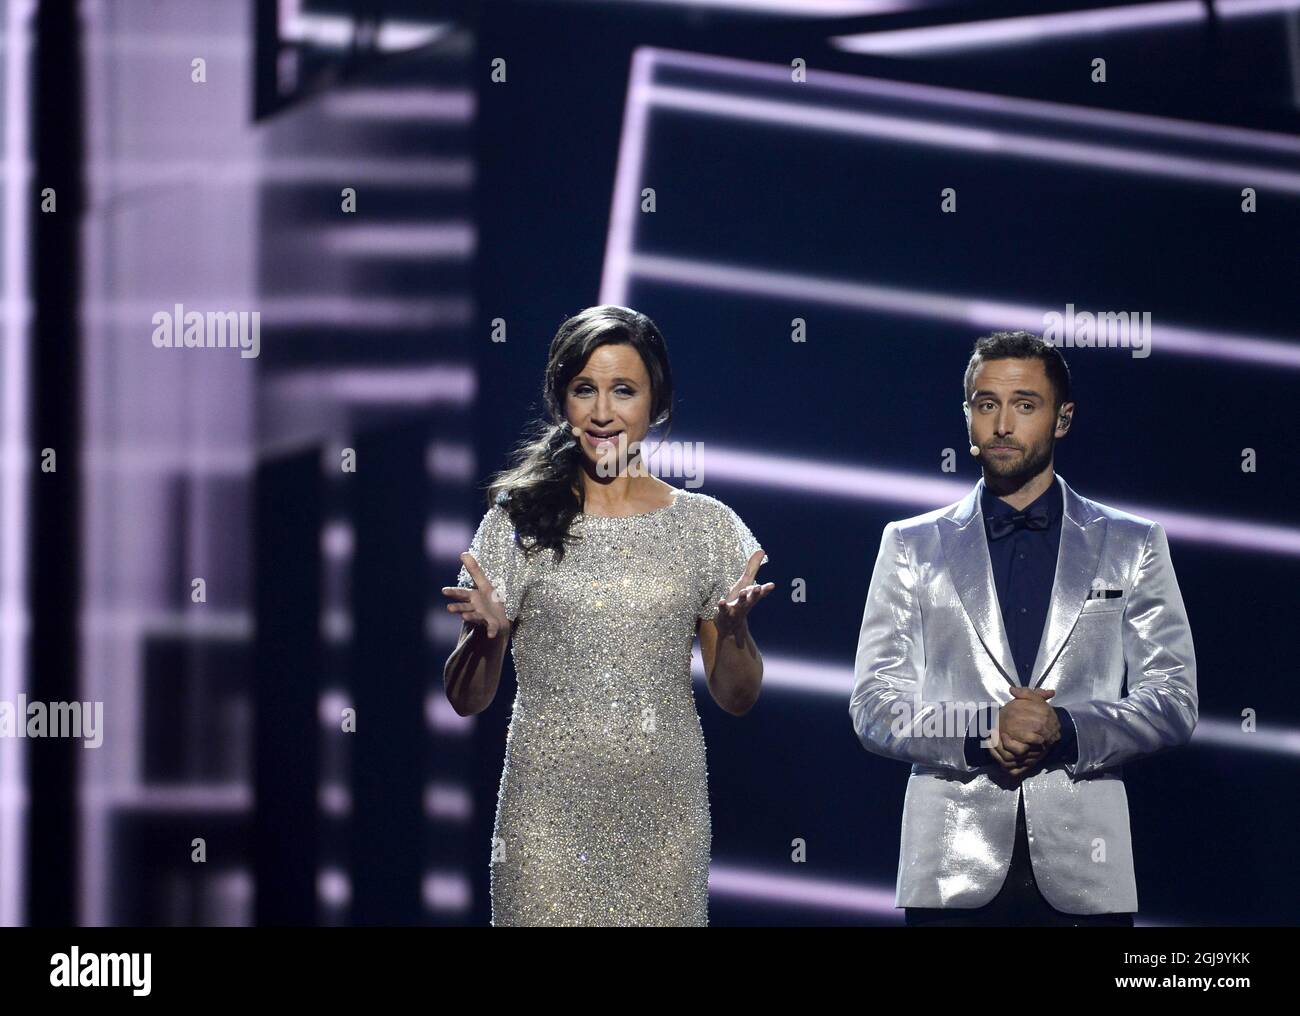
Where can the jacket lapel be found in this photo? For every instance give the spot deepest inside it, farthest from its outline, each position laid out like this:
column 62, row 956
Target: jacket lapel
column 966, row 549
column 1083, row 533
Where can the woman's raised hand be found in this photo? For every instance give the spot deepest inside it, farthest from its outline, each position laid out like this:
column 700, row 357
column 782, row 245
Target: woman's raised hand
column 482, row 606
column 735, row 607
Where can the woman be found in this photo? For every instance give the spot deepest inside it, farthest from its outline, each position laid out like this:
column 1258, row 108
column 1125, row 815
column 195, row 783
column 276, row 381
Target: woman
column 603, row 575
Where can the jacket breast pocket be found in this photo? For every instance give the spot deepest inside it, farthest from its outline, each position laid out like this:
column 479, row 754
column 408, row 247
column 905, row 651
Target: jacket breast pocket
column 1102, row 605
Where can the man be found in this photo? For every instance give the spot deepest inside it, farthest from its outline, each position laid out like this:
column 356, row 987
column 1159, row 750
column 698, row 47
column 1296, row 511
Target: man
column 1018, row 648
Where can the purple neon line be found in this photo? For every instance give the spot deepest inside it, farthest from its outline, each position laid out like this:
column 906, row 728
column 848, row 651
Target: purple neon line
column 337, row 32
column 131, row 623
column 1228, row 734
column 355, row 312
column 108, row 177
column 363, row 312
column 97, row 849
column 442, row 718
column 919, row 303
column 984, row 101
column 837, row 680
column 810, row 8
column 795, row 674
column 426, row 105
column 450, row 801
column 1221, row 531
column 810, row 476
column 868, row 484
column 985, row 140
column 14, row 427
column 446, row 539
column 452, row 239
column 741, row 883
column 288, row 12
column 1019, row 30
column 748, row 884
column 1252, row 8
column 228, row 796
column 398, row 385
column 447, row 891
column 725, row 880
column 619, row 261
column 333, row 887
column 624, row 206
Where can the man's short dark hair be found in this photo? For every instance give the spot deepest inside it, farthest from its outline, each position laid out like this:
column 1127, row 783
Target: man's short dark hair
column 1021, row 346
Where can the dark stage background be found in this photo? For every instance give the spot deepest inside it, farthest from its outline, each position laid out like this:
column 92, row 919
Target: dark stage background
column 480, row 201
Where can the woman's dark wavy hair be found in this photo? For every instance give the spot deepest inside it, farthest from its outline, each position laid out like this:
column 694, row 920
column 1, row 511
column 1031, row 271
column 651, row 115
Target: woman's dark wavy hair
column 537, row 489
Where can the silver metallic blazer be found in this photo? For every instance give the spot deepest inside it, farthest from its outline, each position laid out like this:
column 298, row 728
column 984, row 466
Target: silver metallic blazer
column 933, row 648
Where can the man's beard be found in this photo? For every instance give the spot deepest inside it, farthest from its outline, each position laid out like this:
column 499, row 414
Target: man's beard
column 1018, row 469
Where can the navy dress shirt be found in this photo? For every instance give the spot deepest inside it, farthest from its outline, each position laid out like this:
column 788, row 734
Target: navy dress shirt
column 1023, row 547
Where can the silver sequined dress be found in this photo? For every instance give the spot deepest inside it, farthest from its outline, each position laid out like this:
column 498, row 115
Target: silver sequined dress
column 603, row 807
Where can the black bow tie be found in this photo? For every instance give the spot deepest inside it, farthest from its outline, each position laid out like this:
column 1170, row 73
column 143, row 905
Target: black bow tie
column 1036, row 517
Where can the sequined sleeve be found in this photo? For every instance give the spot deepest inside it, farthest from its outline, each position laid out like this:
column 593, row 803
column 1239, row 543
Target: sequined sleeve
column 727, row 546
column 498, row 553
